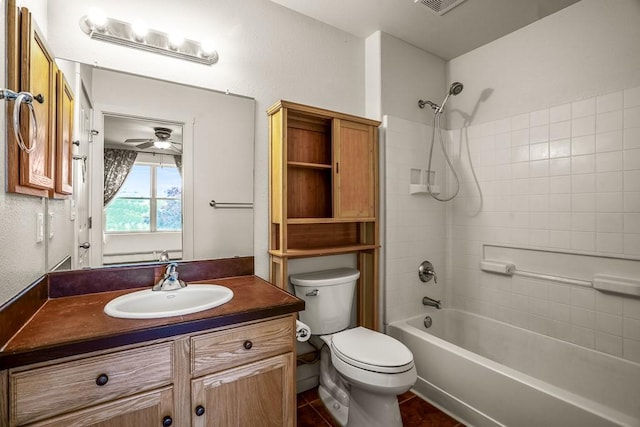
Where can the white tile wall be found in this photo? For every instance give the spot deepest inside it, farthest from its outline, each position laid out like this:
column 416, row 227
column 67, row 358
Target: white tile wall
column 572, row 182
column 414, row 224
column 566, row 177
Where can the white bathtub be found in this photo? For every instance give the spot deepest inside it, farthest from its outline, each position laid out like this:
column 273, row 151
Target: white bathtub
column 489, row 373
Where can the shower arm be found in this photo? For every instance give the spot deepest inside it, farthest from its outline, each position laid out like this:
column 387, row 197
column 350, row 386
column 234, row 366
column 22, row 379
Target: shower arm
column 435, row 107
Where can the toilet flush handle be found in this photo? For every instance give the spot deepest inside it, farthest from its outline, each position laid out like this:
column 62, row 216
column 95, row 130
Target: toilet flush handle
column 313, row 293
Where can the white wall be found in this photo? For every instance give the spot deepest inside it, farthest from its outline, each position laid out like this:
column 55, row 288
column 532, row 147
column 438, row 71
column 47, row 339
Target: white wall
column 409, row 74
column 266, row 52
column 551, row 117
column 587, row 49
column 22, row 260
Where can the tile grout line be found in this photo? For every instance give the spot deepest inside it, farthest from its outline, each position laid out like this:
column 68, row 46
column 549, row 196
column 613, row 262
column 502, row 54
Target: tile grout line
column 320, row 415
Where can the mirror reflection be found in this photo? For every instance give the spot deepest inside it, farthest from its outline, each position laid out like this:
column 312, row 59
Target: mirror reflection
column 142, row 193
column 151, row 157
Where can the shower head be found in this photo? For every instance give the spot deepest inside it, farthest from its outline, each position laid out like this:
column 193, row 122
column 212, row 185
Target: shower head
column 455, row 88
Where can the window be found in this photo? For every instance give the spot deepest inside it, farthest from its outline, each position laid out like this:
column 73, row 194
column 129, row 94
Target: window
column 150, row 200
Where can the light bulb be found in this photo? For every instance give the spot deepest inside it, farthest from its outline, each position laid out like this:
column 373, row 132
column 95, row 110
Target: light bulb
column 139, row 29
column 207, row 49
column 175, row 39
column 98, row 19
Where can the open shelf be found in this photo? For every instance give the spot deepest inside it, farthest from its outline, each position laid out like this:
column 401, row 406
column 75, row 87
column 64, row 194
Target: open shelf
column 328, row 220
column 309, row 193
column 309, row 165
column 308, row 140
column 333, row 250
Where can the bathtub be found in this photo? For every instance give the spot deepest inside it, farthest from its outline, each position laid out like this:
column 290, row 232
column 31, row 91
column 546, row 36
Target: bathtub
column 488, row 373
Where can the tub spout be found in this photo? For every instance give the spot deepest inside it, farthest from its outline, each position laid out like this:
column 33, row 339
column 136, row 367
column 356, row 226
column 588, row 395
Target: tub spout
column 431, row 302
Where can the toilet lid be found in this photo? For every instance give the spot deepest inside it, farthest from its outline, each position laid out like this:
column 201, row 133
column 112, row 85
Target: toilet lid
column 371, row 350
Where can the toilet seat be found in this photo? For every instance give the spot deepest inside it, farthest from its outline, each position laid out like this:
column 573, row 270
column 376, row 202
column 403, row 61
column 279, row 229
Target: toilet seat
column 371, row 351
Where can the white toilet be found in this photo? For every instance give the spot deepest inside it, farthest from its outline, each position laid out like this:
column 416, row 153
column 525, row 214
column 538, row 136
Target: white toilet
column 361, row 371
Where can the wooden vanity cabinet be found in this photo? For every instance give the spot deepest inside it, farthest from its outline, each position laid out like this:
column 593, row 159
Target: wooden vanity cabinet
column 256, row 394
column 73, row 388
column 251, row 376
column 149, row 409
column 238, row 376
column 323, row 190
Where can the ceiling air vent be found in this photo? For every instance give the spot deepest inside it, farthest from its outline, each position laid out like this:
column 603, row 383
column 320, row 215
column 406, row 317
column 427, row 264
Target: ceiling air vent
column 439, row 6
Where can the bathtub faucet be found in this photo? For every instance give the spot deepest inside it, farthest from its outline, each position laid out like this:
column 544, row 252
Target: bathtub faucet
column 431, row 302
column 426, row 272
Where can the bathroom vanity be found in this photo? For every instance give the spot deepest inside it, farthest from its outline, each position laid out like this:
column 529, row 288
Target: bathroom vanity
column 233, row 365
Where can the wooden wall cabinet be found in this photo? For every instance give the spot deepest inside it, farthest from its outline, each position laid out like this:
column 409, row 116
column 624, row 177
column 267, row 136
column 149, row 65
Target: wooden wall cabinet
column 64, row 137
column 31, row 68
column 239, row 376
column 324, row 193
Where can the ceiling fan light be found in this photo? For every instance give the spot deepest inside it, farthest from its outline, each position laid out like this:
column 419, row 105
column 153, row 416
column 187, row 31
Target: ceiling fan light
column 163, row 145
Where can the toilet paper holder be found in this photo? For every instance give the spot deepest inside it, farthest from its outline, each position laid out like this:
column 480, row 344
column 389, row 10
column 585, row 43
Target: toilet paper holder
column 303, row 332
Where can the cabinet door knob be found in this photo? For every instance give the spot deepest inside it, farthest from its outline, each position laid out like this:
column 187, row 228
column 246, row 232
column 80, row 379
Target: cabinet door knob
column 167, row 421
column 199, row 410
column 247, row 345
column 102, row 379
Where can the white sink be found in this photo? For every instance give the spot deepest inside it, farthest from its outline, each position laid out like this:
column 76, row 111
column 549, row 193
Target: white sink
column 150, row 304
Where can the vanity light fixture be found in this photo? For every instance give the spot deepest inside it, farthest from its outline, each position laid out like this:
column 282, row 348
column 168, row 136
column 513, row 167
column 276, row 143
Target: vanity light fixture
column 138, row 36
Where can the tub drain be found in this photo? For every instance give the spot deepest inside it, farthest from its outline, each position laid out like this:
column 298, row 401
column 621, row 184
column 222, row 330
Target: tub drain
column 428, row 322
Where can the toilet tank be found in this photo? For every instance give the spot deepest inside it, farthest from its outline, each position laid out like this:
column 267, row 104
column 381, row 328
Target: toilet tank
column 328, row 297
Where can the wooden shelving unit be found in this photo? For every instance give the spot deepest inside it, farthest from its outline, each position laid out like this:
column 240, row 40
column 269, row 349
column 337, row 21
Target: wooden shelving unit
column 323, row 190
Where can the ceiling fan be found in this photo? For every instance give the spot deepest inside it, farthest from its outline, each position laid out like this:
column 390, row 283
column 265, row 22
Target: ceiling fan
column 162, row 141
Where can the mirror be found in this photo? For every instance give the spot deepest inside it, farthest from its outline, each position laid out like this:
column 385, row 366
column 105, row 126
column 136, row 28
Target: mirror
column 186, row 146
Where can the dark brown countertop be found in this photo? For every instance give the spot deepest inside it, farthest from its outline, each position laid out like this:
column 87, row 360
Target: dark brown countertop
column 77, row 324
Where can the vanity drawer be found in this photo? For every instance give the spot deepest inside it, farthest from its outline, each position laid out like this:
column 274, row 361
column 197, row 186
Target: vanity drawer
column 51, row 390
column 217, row 351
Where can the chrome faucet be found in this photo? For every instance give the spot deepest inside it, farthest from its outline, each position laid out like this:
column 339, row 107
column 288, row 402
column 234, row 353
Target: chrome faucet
column 431, row 302
column 164, row 256
column 170, row 281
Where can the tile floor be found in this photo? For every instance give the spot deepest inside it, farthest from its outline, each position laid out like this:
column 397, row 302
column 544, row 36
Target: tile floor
column 415, row 412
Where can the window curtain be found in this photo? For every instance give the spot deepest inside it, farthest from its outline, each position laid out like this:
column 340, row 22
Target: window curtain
column 117, row 165
column 177, row 158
